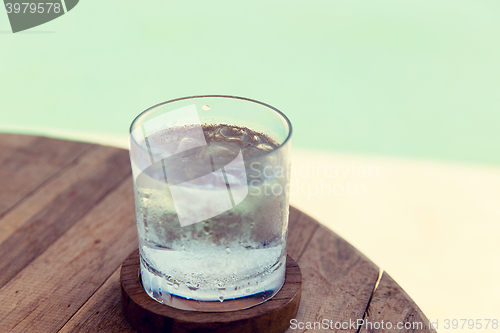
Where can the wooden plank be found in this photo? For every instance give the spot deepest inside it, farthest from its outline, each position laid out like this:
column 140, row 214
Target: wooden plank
column 103, row 312
column 300, row 231
column 44, row 296
column 41, row 230
column 338, row 282
column 391, row 304
column 28, row 166
column 42, row 196
column 10, row 142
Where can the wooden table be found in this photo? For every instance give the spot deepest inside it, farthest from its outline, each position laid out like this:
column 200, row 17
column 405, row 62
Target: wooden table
column 67, row 222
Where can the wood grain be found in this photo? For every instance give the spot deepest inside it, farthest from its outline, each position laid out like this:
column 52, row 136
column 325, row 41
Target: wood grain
column 26, row 166
column 338, row 280
column 10, row 142
column 102, row 312
column 41, row 230
column 391, row 304
column 44, row 296
column 46, row 193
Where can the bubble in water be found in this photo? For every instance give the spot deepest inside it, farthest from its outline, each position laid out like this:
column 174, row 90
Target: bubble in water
column 228, row 250
column 176, row 285
column 192, row 287
column 221, row 298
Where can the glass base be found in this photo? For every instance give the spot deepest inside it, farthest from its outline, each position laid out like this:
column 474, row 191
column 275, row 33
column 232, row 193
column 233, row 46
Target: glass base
column 224, row 305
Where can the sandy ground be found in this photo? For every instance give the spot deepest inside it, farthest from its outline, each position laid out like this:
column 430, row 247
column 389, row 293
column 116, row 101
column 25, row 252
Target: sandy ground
column 433, row 226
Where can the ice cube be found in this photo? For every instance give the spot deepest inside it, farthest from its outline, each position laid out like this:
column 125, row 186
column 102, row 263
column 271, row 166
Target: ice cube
column 231, row 132
column 194, row 204
column 219, row 153
column 188, row 143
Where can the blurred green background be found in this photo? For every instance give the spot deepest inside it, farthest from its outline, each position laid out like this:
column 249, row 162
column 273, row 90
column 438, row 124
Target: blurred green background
column 406, row 78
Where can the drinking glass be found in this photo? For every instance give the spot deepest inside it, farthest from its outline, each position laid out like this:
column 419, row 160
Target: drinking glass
column 211, row 186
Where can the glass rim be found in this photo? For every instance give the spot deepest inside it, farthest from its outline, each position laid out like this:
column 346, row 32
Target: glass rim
column 287, row 139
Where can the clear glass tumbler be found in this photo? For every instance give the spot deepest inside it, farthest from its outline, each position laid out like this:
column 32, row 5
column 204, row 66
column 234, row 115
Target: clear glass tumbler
column 211, row 180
